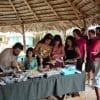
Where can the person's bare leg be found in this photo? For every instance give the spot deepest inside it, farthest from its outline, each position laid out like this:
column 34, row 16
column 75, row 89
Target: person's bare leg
column 89, row 77
column 97, row 90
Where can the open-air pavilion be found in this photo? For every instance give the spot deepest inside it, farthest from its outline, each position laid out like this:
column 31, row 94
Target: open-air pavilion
column 40, row 15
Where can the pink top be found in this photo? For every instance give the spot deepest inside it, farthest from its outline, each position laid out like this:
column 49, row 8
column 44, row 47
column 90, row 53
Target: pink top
column 90, row 45
column 80, row 44
column 57, row 52
column 95, row 50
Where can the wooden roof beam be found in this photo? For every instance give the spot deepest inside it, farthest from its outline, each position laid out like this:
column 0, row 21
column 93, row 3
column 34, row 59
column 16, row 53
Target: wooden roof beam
column 95, row 1
column 29, row 7
column 12, row 5
column 52, row 8
column 67, row 25
column 4, row 23
column 73, row 23
column 14, row 27
column 74, row 7
column 92, row 1
column 76, row 10
column 30, row 27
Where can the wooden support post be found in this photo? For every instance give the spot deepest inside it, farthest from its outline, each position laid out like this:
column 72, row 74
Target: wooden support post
column 84, row 21
column 64, row 36
column 23, row 33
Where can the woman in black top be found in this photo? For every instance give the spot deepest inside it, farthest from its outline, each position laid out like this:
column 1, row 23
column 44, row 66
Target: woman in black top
column 72, row 52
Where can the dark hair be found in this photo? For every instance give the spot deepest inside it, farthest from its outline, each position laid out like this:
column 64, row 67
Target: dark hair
column 48, row 36
column 82, row 29
column 30, row 50
column 78, row 32
column 91, row 31
column 18, row 45
column 73, row 42
column 55, row 39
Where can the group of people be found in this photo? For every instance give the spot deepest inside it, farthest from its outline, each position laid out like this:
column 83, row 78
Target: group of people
column 51, row 52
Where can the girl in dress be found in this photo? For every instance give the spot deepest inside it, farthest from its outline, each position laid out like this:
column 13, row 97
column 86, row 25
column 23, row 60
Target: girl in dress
column 57, row 52
column 72, row 52
column 42, row 50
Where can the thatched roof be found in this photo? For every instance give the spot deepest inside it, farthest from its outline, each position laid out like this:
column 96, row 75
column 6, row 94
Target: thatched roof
column 48, row 14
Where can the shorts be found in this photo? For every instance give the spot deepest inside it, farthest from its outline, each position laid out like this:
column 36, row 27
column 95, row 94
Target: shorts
column 96, row 79
column 89, row 66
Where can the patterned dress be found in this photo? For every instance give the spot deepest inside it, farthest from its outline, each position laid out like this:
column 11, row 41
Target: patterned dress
column 56, row 54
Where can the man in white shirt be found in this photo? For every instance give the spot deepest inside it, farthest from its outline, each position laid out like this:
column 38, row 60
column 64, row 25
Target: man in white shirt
column 8, row 57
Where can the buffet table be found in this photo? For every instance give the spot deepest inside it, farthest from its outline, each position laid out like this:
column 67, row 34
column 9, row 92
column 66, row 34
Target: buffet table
column 36, row 88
